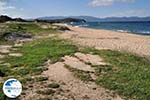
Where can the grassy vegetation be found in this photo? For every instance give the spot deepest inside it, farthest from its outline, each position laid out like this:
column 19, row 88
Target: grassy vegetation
column 34, row 55
column 2, row 96
column 83, row 75
column 28, row 28
column 128, row 74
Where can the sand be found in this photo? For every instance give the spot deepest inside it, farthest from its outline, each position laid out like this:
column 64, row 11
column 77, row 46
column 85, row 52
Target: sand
column 105, row 39
column 78, row 89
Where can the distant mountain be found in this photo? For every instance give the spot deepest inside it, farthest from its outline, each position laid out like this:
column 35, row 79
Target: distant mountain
column 4, row 18
column 51, row 17
column 96, row 19
column 86, row 18
column 59, row 20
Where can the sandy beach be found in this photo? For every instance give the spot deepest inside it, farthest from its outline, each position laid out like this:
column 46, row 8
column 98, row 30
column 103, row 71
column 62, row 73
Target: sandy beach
column 105, row 39
column 50, row 67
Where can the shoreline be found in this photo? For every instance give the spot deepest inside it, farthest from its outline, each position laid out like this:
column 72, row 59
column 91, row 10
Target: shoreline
column 119, row 31
column 107, row 39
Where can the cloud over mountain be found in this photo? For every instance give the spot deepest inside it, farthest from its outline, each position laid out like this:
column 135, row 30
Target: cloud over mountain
column 96, row 3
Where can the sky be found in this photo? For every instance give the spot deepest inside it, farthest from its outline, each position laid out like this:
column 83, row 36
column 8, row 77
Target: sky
column 97, row 8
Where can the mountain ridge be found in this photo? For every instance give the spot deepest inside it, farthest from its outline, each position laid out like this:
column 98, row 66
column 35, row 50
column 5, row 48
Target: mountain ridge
column 96, row 19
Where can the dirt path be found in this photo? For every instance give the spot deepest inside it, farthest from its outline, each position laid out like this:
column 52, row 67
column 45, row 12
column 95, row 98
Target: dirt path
column 78, row 89
column 103, row 39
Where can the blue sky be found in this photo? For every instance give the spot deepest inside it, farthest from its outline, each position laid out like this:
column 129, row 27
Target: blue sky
column 98, row 8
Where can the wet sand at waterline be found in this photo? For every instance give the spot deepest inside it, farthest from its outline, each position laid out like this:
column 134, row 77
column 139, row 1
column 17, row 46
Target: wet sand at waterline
column 105, row 39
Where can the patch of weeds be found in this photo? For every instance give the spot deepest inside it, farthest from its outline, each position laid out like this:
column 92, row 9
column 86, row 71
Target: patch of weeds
column 41, row 78
column 22, row 72
column 5, row 70
column 26, row 79
column 53, row 85
column 2, row 74
column 83, row 75
column 102, row 69
column 2, row 96
column 39, row 69
column 35, row 54
column 46, row 92
column 128, row 75
column 45, row 98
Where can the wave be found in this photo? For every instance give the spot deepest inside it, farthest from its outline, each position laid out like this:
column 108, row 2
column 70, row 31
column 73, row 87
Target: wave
column 139, row 32
column 123, row 31
column 144, row 32
column 84, row 25
column 127, row 27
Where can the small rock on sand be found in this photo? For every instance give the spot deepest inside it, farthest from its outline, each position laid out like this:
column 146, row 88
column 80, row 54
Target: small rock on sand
column 18, row 45
column 15, row 54
column 6, row 64
column 1, row 62
column 5, row 46
column 14, row 49
column 1, row 57
column 4, row 51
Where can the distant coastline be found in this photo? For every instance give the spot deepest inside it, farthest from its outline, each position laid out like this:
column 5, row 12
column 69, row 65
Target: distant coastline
column 122, row 24
column 139, row 28
column 96, row 19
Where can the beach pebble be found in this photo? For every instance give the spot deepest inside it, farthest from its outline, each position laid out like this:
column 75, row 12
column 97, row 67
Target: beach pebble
column 1, row 57
column 5, row 46
column 4, row 51
column 18, row 45
column 15, row 54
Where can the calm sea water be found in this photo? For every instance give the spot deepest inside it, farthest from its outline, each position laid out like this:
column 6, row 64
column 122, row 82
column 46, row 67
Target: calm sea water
column 141, row 28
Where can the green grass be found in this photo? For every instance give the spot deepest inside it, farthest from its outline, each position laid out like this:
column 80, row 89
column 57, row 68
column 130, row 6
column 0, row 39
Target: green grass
column 82, row 75
column 28, row 28
column 128, row 75
column 34, row 55
column 2, row 96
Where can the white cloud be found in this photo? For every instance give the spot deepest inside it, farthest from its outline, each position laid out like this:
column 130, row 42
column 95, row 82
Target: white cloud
column 2, row 6
column 9, row 10
column 95, row 3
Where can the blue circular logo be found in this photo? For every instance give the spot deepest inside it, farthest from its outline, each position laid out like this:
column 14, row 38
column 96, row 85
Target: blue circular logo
column 12, row 88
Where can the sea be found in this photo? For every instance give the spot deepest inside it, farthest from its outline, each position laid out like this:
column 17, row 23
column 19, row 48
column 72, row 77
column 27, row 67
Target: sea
column 140, row 28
